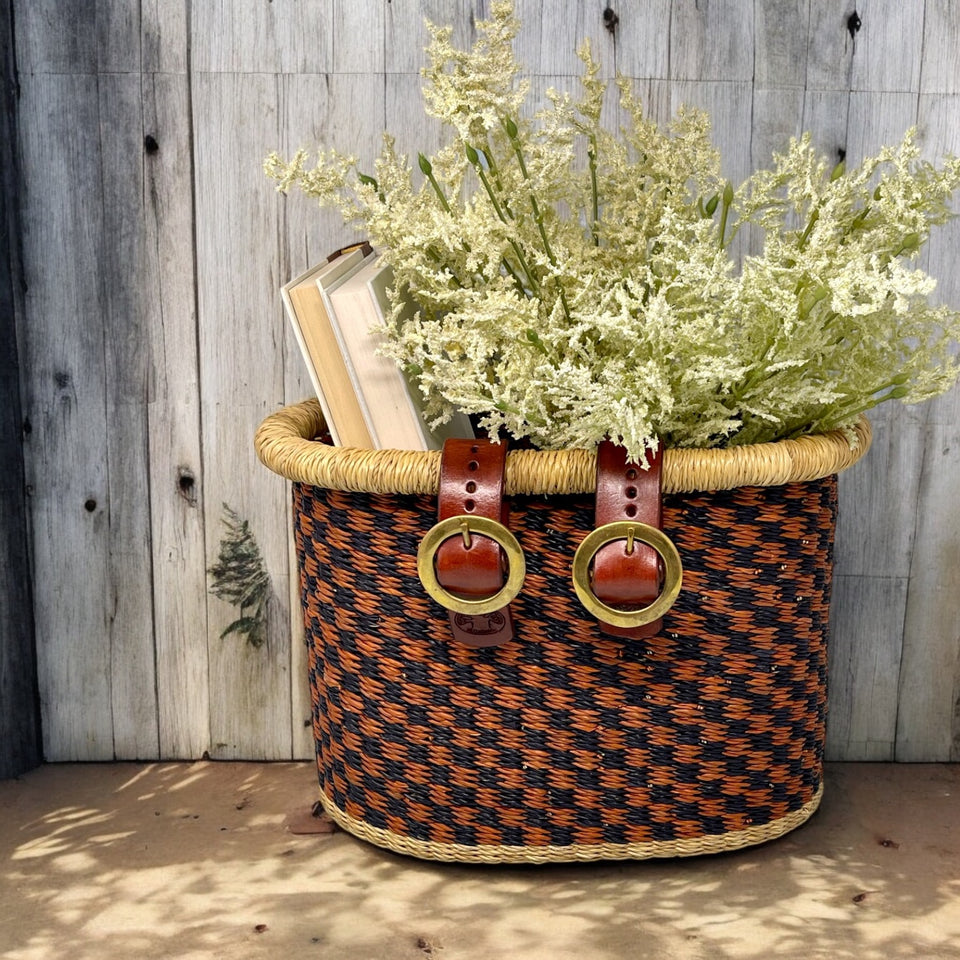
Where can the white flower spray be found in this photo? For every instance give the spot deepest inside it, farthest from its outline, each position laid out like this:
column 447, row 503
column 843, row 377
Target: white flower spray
column 567, row 302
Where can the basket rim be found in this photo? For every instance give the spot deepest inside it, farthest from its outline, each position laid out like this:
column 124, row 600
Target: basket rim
column 285, row 443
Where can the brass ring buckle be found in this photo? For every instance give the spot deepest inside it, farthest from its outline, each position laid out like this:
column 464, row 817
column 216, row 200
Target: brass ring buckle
column 629, row 530
column 466, row 526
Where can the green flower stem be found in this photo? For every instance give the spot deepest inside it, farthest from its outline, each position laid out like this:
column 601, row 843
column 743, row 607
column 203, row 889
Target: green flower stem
column 534, row 284
column 434, row 255
column 811, row 223
column 840, row 412
column 594, row 192
column 511, row 129
column 426, row 168
column 491, row 162
column 725, row 211
column 505, row 407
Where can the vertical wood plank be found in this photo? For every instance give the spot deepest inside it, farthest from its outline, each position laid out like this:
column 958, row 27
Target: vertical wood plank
column 304, row 103
column 241, row 369
column 863, row 666
column 780, row 66
column 358, row 33
column 552, row 30
column 928, row 722
column 712, row 40
column 238, row 36
column 781, row 38
column 19, row 716
column 168, row 308
column 642, row 41
column 65, row 399
column 831, row 46
column 873, row 549
column 131, row 639
column 825, row 116
column 940, row 57
column 55, row 36
column 928, row 719
column 889, row 46
column 405, row 34
column 315, row 108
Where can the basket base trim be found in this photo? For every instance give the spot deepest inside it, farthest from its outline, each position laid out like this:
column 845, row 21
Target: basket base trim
column 461, row 853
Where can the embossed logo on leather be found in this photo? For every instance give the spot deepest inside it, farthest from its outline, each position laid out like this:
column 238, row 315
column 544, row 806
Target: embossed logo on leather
column 480, row 625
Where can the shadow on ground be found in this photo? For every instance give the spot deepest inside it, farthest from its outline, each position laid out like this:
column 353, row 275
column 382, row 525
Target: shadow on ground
column 192, row 860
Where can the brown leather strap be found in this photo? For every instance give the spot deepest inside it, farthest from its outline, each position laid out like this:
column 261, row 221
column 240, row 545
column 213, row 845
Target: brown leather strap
column 625, row 492
column 471, row 483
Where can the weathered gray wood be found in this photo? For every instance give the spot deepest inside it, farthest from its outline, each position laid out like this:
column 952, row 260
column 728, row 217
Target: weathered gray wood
column 132, row 667
column 168, row 304
column 831, row 45
column 156, row 344
column 781, row 44
column 241, row 380
column 928, row 721
column 862, row 709
column 551, row 32
column 405, row 33
column 888, row 54
column 19, row 716
column 711, row 40
column 940, row 62
column 929, row 677
column 239, row 36
column 55, row 37
column 641, row 39
column 873, row 554
column 65, row 399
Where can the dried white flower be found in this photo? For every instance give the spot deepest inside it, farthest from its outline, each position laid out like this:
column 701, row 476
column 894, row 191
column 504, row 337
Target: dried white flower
column 567, row 300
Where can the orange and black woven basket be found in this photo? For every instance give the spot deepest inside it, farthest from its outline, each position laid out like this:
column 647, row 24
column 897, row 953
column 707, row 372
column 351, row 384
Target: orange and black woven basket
column 567, row 744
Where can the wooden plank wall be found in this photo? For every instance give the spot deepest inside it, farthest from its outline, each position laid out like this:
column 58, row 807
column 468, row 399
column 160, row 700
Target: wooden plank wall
column 19, row 714
column 154, row 341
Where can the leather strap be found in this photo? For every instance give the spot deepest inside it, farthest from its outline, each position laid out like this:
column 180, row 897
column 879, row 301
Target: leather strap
column 471, row 484
column 626, row 492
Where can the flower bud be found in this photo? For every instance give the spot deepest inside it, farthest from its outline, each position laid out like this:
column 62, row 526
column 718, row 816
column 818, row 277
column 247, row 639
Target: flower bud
column 728, row 194
column 712, row 204
column 911, row 243
column 838, row 171
column 472, row 155
column 426, row 168
column 511, row 128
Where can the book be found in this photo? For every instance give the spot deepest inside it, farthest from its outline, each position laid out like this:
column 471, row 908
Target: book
column 391, row 406
column 459, row 424
column 307, row 312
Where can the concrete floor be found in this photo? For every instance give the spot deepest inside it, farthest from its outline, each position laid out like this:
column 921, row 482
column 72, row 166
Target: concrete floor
column 198, row 861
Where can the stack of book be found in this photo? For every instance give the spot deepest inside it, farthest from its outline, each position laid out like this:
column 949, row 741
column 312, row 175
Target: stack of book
column 335, row 308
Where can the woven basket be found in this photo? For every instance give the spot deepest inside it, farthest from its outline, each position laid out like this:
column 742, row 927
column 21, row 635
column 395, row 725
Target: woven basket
column 566, row 744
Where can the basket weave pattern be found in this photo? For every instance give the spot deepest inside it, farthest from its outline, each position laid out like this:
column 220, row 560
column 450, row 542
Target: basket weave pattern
column 564, row 743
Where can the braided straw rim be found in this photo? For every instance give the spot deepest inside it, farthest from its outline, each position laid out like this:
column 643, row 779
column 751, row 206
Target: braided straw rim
column 461, row 853
column 285, row 443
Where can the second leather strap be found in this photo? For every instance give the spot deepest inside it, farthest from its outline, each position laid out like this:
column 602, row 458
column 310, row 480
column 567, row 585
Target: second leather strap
column 471, row 484
column 622, row 579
